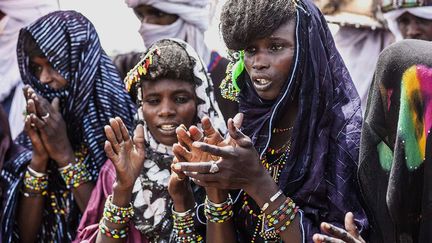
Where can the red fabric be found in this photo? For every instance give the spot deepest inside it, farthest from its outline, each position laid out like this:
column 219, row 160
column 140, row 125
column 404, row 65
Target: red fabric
column 89, row 225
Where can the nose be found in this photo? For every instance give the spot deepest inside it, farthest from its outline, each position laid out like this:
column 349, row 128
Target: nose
column 167, row 109
column 413, row 30
column 260, row 61
column 46, row 75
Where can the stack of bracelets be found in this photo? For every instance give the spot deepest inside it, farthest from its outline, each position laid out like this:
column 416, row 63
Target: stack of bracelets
column 278, row 220
column 219, row 212
column 184, row 227
column 36, row 182
column 76, row 174
column 115, row 215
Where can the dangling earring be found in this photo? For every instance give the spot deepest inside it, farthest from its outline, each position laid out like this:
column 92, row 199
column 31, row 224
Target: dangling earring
column 229, row 87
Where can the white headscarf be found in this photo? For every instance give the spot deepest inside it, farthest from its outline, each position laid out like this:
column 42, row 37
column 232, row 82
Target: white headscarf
column 392, row 16
column 19, row 13
column 194, row 19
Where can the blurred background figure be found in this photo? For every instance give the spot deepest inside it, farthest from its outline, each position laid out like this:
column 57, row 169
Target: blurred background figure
column 408, row 19
column 360, row 36
column 15, row 14
column 187, row 20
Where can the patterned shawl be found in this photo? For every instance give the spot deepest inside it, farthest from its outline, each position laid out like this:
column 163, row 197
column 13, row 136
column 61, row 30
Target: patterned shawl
column 151, row 200
column 94, row 94
column 395, row 153
column 320, row 174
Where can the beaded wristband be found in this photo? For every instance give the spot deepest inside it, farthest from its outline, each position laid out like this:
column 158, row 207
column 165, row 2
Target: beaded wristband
column 184, row 227
column 272, row 199
column 288, row 222
column 38, row 184
column 75, row 175
column 218, row 212
column 116, row 214
column 113, row 233
column 278, row 221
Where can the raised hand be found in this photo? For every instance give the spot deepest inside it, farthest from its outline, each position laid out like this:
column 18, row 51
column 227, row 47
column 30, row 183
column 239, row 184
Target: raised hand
column 52, row 127
column 337, row 235
column 126, row 154
column 39, row 154
column 209, row 135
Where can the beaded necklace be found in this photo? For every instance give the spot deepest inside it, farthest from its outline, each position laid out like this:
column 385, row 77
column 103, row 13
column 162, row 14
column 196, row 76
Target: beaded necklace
column 274, row 168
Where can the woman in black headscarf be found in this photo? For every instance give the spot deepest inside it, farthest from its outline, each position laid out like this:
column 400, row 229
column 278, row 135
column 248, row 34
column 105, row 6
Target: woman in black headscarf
column 73, row 90
column 300, row 133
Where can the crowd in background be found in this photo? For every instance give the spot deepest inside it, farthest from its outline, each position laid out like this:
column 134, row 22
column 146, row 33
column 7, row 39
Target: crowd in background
column 313, row 126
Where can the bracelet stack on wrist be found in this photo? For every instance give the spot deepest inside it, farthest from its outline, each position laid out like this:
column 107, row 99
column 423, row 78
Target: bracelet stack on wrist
column 115, row 215
column 278, row 220
column 36, row 182
column 184, row 227
column 76, row 174
column 219, row 212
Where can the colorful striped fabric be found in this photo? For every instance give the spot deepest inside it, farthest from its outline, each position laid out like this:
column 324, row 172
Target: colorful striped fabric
column 94, row 94
column 389, row 5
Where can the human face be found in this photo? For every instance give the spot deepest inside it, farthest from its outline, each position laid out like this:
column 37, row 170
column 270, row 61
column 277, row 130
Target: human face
column 150, row 15
column 46, row 74
column 413, row 27
column 167, row 104
column 268, row 61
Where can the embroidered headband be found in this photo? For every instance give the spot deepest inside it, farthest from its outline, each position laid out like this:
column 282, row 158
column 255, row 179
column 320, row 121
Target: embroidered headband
column 141, row 69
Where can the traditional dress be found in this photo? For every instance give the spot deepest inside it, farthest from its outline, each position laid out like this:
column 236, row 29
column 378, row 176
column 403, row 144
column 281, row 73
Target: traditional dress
column 151, row 200
column 395, row 153
column 319, row 170
column 94, row 94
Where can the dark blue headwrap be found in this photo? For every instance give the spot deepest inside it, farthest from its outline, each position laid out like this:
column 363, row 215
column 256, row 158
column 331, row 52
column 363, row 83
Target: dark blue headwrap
column 93, row 95
column 320, row 174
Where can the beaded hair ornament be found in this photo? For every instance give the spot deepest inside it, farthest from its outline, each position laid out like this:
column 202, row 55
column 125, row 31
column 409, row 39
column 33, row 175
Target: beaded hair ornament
column 141, row 69
column 229, row 86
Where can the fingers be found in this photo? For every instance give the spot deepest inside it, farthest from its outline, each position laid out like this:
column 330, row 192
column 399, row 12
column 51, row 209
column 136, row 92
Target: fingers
column 43, row 107
column 55, row 104
column 138, row 138
column 208, row 127
column 110, row 152
column 31, row 107
column 123, row 130
column 241, row 139
column 201, row 167
column 183, row 137
column 238, row 120
column 227, row 151
column 337, row 232
column 115, row 126
column 112, row 139
column 39, row 123
column 350, row 225
column 181, row 152
column 319, row 238
column 196, row 134
column 179, row 174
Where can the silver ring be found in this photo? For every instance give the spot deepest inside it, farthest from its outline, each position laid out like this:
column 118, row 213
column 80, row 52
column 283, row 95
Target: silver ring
column 46, row 116
column 214, row 168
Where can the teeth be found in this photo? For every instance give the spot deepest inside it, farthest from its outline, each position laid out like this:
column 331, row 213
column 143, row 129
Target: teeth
column 167, row 127
column 262, row 81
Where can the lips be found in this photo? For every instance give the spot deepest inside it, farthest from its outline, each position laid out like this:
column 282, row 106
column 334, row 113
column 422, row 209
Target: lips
column 262, row 84
column 167, row 129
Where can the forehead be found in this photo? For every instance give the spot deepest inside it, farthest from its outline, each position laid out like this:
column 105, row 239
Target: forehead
column 167, row 86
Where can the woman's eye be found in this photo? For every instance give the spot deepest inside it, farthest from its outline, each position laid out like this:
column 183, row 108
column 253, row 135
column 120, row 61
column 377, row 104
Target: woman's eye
column 181, row 99
column 36, row 69
column 276, row 47
column 250, row 50
column 152, row 101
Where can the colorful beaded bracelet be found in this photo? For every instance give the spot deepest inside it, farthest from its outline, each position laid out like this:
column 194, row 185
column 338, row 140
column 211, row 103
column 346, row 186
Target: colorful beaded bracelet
column 115, row 214
column 218, row 212
column 113, row 233
column 288, row 222
column 37, row 184
column 75, row 175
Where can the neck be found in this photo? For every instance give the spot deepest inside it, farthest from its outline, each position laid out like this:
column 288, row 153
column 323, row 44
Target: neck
column 286, row 121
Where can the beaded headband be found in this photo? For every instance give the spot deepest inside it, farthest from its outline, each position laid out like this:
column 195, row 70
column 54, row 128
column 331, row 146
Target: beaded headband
column 141, row 69
column 389, row 5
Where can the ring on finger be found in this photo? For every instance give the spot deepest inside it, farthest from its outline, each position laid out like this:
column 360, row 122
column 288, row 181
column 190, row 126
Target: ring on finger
column 214, row 168
column 46, row 116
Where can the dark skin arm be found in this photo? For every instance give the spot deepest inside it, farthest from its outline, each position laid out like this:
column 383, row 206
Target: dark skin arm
column 240, row 168
column 30, row 208
column 128, row 157
column 55, row 139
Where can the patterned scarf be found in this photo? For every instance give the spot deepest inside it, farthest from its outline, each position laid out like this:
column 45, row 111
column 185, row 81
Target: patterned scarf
column 395, row 153
column 151, row 200
column 94, row 94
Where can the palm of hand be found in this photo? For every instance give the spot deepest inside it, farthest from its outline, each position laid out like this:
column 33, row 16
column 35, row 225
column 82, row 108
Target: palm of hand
column 129, row 163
